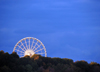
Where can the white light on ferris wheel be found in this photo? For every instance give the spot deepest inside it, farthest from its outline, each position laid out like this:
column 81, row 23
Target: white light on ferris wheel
column 30, row 46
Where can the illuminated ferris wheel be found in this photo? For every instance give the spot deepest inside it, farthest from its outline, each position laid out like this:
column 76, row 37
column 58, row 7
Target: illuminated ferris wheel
column 30, row 46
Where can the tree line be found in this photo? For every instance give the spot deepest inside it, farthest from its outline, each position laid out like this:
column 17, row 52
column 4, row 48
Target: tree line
column 37, row 63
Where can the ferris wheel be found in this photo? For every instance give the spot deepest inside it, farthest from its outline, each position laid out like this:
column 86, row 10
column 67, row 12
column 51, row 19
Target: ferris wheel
column 30, row 46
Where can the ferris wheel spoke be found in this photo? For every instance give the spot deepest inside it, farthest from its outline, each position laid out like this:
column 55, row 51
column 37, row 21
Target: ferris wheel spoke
column 23, row 45
column 40, row 53
column 20, row 47
column 19, row 51
column 38, row 50
column 29, row 43
column 37, row 47
column 32, row 43
column 26, row 44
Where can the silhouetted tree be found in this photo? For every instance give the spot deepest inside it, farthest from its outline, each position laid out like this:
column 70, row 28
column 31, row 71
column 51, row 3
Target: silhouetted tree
column 37, row 63
column 14, row 54
column 5, row 69
column 83, row 65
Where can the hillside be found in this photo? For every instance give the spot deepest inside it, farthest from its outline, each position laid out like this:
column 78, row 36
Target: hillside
column 37, row 63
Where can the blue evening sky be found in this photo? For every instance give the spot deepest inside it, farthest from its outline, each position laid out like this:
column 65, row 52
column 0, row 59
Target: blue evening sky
column 67, row 28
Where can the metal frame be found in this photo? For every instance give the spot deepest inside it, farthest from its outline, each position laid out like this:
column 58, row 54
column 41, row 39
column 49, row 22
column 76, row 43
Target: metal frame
column 29, row 47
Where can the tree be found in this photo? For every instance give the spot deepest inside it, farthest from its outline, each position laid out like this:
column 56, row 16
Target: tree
column 5, row 69
column 83, row 65
column 36, row 56
column 94, row 63
column 14, row 54
column 29, row 68
column 1, row 52
column 67, row 61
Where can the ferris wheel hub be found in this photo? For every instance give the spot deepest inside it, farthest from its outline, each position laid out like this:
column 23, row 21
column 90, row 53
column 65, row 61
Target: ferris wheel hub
column 29, row 52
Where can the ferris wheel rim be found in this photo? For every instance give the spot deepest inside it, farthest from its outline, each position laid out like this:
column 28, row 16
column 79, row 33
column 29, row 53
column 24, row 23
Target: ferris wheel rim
column 34, row 46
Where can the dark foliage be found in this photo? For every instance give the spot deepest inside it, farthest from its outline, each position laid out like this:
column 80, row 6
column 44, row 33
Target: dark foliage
column 37, row 63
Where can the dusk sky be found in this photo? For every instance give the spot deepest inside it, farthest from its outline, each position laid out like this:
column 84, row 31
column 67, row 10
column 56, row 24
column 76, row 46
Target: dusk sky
column 67, row 28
